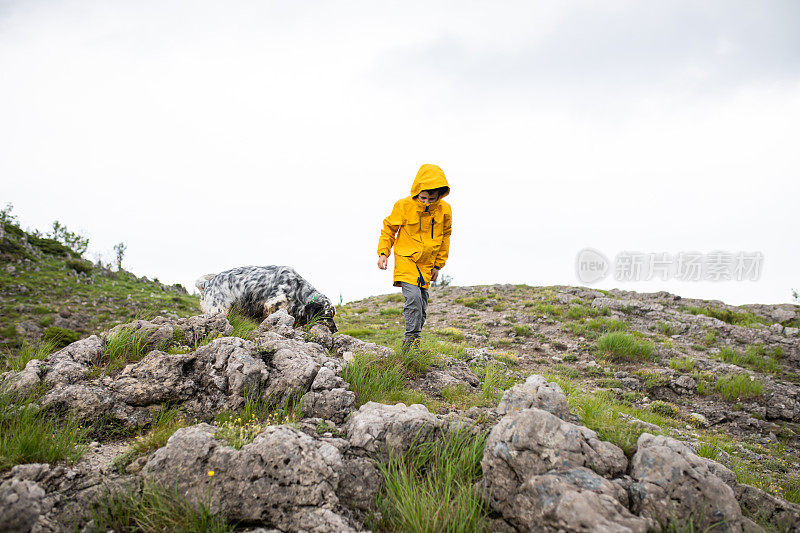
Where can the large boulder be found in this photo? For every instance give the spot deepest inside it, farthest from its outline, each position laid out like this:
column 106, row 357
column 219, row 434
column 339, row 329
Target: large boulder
column 21, row 504
column 22, row 383
column 673, row 485
column 158, row 378
column 334, row 405
column 535, row 392
column 284, row 478
column 540, row 470
column 381, row 429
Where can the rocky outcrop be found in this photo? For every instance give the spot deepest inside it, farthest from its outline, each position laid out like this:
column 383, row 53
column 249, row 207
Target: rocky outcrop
column 539, row 469
column 284, row 478
column 673, row 485
column 535, row 392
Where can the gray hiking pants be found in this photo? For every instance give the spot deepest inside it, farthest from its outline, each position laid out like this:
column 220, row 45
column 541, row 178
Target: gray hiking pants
column 415, row 308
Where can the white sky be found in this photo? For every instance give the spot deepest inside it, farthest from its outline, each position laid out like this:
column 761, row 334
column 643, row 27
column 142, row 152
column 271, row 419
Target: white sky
column 209, row 135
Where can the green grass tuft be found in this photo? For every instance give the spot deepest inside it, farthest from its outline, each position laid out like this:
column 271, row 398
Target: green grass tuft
column 622, row 346
column 430, row 487
column 30, row 350
column 154, row 508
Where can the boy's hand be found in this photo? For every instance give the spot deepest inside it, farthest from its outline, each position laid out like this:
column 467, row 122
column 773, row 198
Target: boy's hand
column 382, row 262
column 434, row 274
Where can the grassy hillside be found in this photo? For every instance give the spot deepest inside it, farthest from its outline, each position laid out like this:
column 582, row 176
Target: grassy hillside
column 48, row 291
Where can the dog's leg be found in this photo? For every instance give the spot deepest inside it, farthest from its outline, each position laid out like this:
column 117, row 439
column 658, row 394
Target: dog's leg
column 278, row 302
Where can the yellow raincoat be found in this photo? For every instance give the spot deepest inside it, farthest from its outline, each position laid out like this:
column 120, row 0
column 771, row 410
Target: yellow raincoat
column 424, row 238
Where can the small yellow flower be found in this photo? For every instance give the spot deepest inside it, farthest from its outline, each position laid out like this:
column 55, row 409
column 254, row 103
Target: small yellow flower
column 210, row 473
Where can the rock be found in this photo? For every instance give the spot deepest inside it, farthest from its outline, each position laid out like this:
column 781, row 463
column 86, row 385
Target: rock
column 684, row 384
column 699, row 420
column 22, row 383
column 158, row 378
column 230, row 364
column 456, row 375
column 21, row 504
column 279, row 318
column 647, row 426
column 320, row 334
column 284, row 478
column 542, row 473
column 328, row 379
column 391, row 429
column 197, row 328
column 66, row 371
column 768, row 508
column 85, row 351
column 783, row 314
column 334, row 405
column 155, row 334
column 359, row 480
column 535, row 392
column 294, row 369
column 86, row 401
column 673, row 484
column 346, row 343
column 791, row 332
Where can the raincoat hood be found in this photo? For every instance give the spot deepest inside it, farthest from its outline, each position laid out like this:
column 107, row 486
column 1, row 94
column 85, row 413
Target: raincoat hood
column 429, row 177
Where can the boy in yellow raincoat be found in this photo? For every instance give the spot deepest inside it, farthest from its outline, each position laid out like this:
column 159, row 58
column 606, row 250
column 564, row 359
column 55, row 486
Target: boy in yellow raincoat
column 420, row 248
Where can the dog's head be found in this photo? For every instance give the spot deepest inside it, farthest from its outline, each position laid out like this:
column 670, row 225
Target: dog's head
column 320, row 309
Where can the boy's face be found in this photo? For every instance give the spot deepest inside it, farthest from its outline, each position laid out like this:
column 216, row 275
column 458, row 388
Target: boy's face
column 427, row 198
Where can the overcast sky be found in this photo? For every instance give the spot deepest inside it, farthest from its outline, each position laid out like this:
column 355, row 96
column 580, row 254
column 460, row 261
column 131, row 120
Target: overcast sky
column 209, row 135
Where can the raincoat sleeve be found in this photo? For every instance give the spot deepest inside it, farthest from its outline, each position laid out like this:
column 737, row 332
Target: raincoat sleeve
column 391, row 224
column 444, row 249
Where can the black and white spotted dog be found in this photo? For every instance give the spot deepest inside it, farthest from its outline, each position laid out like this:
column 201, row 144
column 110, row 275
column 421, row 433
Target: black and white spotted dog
column 258, row 291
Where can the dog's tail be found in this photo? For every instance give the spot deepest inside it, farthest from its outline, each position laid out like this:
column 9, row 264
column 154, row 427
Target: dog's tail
column 202, row 282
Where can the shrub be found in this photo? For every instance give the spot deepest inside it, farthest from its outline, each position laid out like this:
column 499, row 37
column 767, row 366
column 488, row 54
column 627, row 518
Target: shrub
column 667, row 329
column 664, row 408
column 452, row 333
column 622, row 346
column 523, row 330
column 79, row 265
column 60, row 336
column 167, row 422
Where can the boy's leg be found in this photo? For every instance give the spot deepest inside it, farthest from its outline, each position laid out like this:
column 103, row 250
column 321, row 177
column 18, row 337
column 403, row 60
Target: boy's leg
column 413, row 310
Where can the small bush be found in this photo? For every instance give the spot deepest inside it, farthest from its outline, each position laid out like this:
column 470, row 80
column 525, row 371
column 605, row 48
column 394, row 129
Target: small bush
column 61, row 337
column 664, row 408
column 167, row 422
column 451, row 333
column 622, row 346
column 79, row 266
column 240, row 429
column 523, row 330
